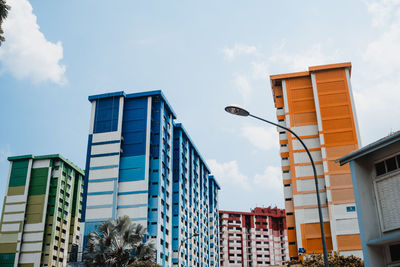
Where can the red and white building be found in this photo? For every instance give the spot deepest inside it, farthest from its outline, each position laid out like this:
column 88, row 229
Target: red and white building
column 256, row 238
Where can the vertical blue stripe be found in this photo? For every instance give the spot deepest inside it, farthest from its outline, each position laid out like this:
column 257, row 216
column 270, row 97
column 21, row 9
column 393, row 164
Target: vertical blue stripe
column 86, row 180
column 359, row 214
column 106, row 115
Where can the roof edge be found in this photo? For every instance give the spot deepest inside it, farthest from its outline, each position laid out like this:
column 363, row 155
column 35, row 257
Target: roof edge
column 133, row 95
column 105, row 95
column 179, row 125
column 50, row 156
column 310, row 69
column 215, row 181
column 330, row 66
column 289, row 75
column 29, row 156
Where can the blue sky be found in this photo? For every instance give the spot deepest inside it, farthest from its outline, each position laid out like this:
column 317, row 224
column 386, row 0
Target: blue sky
column 203, row 55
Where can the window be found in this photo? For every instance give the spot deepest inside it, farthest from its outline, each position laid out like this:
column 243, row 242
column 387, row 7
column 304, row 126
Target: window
column 387, row 165
column 394, row 252
column 387, row 195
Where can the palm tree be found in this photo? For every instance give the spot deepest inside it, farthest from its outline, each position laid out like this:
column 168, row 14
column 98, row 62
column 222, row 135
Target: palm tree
column 118, row 242
column 3, row 14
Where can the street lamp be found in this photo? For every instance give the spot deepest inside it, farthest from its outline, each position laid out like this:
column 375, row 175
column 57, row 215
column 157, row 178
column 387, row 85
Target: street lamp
column 235, row 110
column 184, row 240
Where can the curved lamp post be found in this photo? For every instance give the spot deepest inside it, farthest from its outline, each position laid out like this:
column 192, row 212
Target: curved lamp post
column 235, row 110
column 184, row 240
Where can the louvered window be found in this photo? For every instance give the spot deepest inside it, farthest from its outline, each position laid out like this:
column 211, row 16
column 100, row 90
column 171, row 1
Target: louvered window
column 387, row 188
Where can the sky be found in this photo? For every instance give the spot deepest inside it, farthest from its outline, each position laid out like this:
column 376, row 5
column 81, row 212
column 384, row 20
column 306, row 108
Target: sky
column 204, row 55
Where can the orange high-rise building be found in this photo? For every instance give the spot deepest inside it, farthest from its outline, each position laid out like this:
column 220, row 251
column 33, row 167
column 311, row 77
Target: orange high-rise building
column 318, row 106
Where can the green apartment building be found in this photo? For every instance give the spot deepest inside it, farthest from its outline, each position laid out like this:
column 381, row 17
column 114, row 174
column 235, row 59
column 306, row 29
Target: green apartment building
column 41, row 212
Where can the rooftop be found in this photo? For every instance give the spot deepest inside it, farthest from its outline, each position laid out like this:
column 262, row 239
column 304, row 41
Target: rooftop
column 135, row 95
column 51, row 156
column 311, row 69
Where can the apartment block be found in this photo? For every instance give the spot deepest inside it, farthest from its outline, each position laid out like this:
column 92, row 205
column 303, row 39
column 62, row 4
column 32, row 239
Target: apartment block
column 195, row 194
column 318, row 106
column 42, row 208
column 256, row 238
column 142, row 164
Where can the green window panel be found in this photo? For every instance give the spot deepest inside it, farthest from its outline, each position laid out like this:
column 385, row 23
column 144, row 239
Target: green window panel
column 50, row 210
column 52, row 197
column 7, row 259
column 38, row 183
column 19, row 171
column 54, row 182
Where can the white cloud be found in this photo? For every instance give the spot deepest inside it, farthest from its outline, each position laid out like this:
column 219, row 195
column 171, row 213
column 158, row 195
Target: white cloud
column 376, row 90
column 262, row 137
column 259, row 70
column 382, row 11
column 239, row 49
column 243, row 86
column 27, row 53
column 382, row 53
column 228, row 172
column 301, row 60
column 270, row 179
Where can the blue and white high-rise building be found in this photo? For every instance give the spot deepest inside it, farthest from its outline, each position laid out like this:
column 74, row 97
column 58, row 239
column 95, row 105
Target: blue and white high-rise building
column 141, row 164
column 195, row 218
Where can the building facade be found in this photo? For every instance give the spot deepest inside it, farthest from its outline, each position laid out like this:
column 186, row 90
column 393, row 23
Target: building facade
column 256, row 238
column 42, row 207
column 375, row 170
column 318, row 106
column 195, row 194
column 141, row 164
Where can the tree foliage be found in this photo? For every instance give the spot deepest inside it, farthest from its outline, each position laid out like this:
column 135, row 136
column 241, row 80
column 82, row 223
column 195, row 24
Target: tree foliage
column 316, row 260
column 143, row 264
column 118, row 242
column 4, row 8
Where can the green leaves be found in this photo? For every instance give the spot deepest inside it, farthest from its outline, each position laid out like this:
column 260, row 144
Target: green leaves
column 4, row 8
column 316, row 260
column 118, row 242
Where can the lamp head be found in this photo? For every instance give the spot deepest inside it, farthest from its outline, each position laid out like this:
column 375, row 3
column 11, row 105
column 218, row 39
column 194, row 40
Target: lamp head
column 235, row 110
